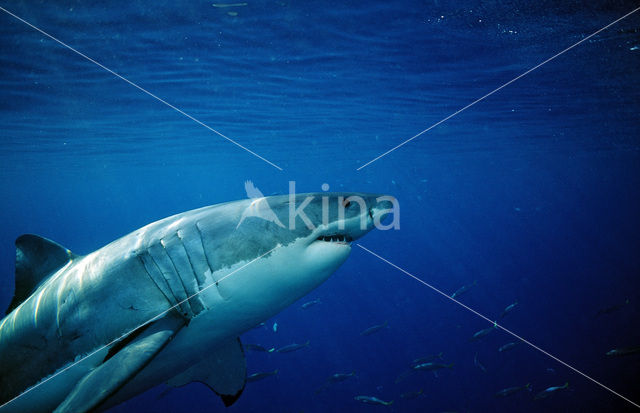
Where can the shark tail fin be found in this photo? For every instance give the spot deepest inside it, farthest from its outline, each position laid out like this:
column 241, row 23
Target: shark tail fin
column 36, row 259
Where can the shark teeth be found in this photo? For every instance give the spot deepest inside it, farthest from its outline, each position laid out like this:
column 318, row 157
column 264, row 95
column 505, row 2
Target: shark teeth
column 335, row 238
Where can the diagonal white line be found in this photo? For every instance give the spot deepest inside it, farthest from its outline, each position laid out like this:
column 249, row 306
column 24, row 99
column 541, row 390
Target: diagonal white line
column 140, row 88
column 495, row 324
column 496, row 90
column 152, row 319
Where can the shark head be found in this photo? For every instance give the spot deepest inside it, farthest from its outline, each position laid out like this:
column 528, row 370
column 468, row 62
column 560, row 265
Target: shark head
column 287, row 244
column 321, row 227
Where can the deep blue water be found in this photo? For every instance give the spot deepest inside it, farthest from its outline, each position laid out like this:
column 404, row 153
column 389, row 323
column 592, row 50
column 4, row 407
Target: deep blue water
column 533, row 193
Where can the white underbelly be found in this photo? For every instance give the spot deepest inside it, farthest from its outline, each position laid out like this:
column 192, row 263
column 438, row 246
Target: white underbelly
column 245, row 296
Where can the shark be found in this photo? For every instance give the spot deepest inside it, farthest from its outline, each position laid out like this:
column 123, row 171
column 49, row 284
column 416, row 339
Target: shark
column 168, row 302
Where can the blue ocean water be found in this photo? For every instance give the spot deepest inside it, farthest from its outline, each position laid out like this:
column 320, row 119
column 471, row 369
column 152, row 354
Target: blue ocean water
column 532, row 193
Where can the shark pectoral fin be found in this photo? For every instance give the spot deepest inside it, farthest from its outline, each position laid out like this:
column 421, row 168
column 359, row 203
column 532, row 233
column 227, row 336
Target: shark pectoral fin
column 224, row 372
column 119, row 368
column 228, row 371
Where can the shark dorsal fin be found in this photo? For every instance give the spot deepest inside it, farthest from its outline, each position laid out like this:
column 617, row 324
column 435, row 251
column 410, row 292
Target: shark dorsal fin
column 36, row 259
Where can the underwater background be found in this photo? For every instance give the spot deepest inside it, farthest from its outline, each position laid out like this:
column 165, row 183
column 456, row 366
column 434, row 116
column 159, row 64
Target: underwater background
column 530, row 196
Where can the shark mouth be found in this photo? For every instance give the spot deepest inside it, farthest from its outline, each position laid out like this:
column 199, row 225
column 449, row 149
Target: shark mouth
column 339, row 238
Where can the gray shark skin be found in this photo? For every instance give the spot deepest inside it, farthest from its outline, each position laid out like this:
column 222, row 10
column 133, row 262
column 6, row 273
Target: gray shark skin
column 165, row 304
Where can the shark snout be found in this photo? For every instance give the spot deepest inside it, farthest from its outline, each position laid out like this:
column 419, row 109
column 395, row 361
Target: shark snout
column 379, row 208
column 385, row 206
column 373, row 213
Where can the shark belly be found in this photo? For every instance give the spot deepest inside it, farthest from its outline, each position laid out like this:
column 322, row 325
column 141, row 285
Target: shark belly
column 244, row 295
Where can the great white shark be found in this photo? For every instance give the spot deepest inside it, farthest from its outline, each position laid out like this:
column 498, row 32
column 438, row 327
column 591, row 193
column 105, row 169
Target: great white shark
column 166, row 303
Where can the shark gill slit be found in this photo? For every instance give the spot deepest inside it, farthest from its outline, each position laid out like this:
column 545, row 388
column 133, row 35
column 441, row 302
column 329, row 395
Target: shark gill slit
column 196, row 256
column 206, row 257
column 175, row 281
column 177, row 253
column 160, row 258
column 149, row 265
column 204, row 250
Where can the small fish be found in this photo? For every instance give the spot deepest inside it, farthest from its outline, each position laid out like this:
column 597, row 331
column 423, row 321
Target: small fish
column 508, row 309
column 477, row 363
column 507, row 347
column 619, row 352
column 309, row 304
column 259, row 325
column 611, row 309
column 410, row 395
column 426, row 359
column 416, row 362
column 224, row 5
column 548, row 391
column 374, row 329
column 402, row 376
column 292, row 347
column 482, row 333
column 463, row 290
column 338, row 377
column 257, row 347
column 262, row 375
column 335, row 378
column 372, row 400
column 275, row 327
column 513, row 390
column 432, row 366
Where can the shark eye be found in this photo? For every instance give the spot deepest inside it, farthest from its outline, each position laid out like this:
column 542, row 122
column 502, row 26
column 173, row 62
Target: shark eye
column 346, row 203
